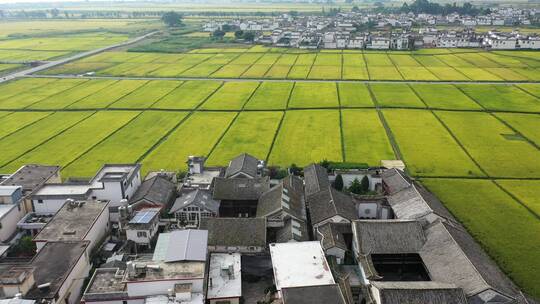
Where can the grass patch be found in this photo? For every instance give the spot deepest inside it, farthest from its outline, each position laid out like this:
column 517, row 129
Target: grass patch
column 307, row 136
column 241, row 138
column 145, row 131
column 384, row 73
column 69, row 145
column 16, row 121
column 502, row 97
column 73, row 95
column 325, row 72
column 104, row 98
column 484, row 138
column 354, row 95
column 203, row 129
column 146, row 95
column 507, row 231
column 231, row 96
column 314, row 95
column 427, row 148
column 30, row 96
column 526, row 124
column 188, row 96
column 364, row 137
column 527, row 191
column 445, row 96
column 36, row 134
column 270, row 96
column 395, row 95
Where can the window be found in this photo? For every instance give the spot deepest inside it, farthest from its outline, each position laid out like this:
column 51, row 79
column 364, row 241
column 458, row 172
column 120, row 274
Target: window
column 40, row 201
column 141, row 234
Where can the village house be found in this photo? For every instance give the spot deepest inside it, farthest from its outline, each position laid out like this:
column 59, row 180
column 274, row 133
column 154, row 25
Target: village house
column 155, row 192
column 303, row 265
column 113, row 182
column 142, row 227
column 224, row 278
column 11, row 211
column 192, row 206
column 30, row 178
column 199, row 176
column 242, row 235
column 284, row 209
column 55, row 275
column 77, row 221
column 176, row 270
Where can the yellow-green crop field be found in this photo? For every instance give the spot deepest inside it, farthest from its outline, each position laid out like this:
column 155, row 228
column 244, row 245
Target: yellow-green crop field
column 465, row 122
column 274, row 63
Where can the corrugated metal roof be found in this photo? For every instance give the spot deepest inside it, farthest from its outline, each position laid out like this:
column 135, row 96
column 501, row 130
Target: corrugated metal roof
column 182, row 245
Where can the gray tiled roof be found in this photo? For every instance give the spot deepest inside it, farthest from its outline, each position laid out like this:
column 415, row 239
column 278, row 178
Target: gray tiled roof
column 315, row 179
column 198, row 197
column 395, row 180
column 282, row 197
column 292, row 230
column 409, row 204
column 240, row 188
column 388, row 236
column 331, row 235
column 323, row 294
column 243, row 163
column 419, row 292
column 157, row 190
column 235, row 231
column 330, row 202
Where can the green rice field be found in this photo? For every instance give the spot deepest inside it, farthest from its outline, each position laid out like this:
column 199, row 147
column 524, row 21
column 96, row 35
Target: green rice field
column 271, row 63
column 475, row 145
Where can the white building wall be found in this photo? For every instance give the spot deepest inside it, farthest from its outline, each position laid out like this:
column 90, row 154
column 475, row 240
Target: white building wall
column 149, row 288
column 111, row 191
column 48, row 206
column 72, row 287
column 9, row 221
column 99, row 230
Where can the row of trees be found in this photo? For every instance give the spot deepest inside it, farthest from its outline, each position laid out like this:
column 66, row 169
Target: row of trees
column 426, row 7
column 356, row 187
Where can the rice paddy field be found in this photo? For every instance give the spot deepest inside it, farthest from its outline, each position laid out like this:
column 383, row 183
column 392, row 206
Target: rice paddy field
column 260, row 62
column 465, row 122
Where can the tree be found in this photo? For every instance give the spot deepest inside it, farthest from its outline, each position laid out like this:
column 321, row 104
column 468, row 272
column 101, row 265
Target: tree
column 355, row 9
column 172, row 19
column 239, row 34
column 294, row 170
column 218, row 34
column 226, row 28
column 324, row 163
column 338, row 183
column 355, row 187
column 55, row 12
column 249, row 36
column 365, row 184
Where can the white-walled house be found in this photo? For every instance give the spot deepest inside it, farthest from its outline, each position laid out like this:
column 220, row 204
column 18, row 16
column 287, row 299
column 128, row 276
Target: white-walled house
column 77, row 221
column 177, row 269
column 11, row 211
column 31, row 178
column 142, row 228
column 113, row 182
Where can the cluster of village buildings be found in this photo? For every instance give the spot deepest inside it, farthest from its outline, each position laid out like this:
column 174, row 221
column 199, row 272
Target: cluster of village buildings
column 388, row 31
column 236, row 234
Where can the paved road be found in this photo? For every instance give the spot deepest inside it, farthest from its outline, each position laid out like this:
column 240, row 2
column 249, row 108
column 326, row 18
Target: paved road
column 275, row 80
column 51, row 64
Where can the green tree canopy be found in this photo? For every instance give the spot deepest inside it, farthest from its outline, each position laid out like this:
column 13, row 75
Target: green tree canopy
column 172, row 19
column 338, row 183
